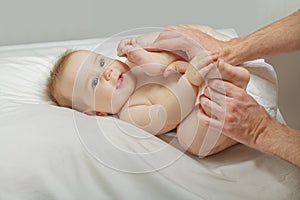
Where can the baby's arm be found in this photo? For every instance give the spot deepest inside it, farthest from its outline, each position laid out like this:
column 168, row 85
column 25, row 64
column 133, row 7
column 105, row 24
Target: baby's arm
column 151, row 118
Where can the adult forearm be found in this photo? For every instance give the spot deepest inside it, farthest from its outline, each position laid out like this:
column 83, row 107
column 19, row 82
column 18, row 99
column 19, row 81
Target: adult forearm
column 280, row 37
column 281, row 141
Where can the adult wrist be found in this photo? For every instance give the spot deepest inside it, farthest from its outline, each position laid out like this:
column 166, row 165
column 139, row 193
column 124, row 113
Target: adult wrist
column 262, row 138
column 232, row 51
column 269, row 135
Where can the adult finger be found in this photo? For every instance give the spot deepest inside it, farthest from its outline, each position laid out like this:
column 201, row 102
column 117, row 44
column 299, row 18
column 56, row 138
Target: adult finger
column 239, row 76
column 177, row 27
column 169, row 41
column 225, row 88
column 177, row 43
column 210, row 108
column 216, row 97
column 165, row 35
column 209, row 121
column 203, row 59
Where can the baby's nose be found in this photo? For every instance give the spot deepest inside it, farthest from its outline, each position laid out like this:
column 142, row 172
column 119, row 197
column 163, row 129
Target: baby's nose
column 107, row 74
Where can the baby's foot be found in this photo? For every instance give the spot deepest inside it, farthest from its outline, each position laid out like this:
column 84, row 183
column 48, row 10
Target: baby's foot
column 139, row 56
column 123, row 45
column 153, row 63
column 142, row 41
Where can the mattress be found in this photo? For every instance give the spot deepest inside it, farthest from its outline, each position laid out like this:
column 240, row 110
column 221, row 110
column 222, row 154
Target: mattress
column 50, row 152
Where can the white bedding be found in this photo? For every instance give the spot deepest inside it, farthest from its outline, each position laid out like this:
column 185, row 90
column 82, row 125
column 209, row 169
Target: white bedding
column 48, row 152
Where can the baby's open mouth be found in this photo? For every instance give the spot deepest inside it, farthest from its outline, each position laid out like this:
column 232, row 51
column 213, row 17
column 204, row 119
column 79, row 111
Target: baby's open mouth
column 121, row 80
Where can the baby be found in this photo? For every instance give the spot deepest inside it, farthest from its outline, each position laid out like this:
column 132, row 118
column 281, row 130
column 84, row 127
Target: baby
column 139, row 93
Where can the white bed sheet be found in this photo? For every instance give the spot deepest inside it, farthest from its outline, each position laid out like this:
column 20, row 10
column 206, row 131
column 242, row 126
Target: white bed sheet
column 48, row 152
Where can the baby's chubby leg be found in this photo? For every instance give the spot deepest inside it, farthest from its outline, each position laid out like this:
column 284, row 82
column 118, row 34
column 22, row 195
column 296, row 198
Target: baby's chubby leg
column 239, row 76
column 196, row 137
column 194, row 133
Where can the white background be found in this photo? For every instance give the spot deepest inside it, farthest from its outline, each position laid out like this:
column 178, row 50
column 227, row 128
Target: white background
column 54, row 20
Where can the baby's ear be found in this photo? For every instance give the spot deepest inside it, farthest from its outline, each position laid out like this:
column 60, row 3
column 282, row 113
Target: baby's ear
column 93, row 113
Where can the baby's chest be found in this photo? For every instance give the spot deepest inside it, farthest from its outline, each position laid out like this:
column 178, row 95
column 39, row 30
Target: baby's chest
column 150, row 94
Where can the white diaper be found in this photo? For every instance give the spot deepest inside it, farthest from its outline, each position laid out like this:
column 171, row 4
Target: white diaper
column 263, row 85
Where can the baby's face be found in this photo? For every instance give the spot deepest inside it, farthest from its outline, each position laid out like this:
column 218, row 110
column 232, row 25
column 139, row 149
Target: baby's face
column 96, row 83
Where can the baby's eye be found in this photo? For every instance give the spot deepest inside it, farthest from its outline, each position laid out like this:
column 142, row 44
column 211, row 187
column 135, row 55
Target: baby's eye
column 102, row 62
column 94, row 82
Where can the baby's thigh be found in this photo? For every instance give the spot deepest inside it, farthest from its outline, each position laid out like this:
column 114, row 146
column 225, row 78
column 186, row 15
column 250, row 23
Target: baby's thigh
column 198, row 138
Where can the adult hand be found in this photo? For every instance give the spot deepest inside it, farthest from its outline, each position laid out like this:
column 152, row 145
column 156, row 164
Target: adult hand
column 208, row 37
column 187, row 41
column 230, row 108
